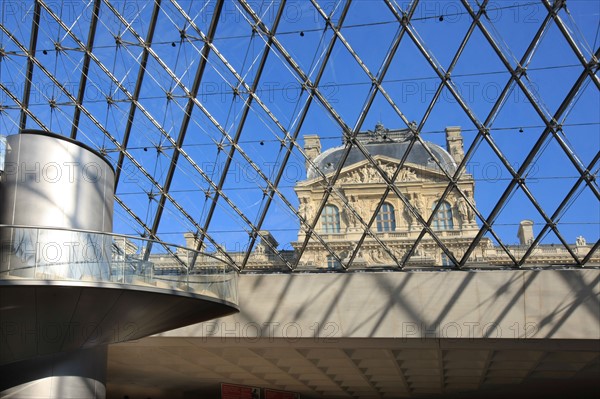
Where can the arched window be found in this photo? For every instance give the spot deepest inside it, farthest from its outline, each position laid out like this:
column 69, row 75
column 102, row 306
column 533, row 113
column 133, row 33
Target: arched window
column 386, row 219
column 443, row 217
column 330, row 219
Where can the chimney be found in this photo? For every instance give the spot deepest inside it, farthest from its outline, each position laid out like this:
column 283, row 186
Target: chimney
column 525, row 232
column 191, row 241
column 454, row 143
column 312, row 147
column 267, row 243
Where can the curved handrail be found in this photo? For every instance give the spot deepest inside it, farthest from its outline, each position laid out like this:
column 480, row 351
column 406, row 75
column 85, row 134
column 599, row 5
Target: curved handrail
column 62, row 254
column 22, row 226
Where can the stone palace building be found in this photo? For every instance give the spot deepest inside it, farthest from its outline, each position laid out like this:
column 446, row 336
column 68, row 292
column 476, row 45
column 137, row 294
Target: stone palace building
column 354, row 199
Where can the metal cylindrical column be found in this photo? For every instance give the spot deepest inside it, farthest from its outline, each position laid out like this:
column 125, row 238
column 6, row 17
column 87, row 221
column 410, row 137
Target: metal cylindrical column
column 80, row 374
column 50, row 181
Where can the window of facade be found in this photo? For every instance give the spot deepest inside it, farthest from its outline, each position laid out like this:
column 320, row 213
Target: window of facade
column 443, row 217
column 333, row 263
column 330, row 219
column 386, row 219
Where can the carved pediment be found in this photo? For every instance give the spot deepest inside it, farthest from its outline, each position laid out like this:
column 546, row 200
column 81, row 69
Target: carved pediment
column 369, row 174
column 364, row 172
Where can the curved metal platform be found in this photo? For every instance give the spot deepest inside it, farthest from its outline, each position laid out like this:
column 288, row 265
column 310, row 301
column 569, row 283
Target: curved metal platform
column 41, row 317
column 52, row 304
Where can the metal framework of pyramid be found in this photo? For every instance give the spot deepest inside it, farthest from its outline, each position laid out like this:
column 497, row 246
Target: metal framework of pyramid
column 201, row 106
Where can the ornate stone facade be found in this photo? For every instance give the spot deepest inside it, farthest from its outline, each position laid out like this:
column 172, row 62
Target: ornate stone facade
column 421, row 181
column 354, row 203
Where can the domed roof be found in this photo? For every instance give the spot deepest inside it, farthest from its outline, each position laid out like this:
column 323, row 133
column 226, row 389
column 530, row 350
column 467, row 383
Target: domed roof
column 388, row 143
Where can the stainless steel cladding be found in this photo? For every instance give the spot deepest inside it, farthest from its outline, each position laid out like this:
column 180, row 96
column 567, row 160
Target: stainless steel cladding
column 2, row 152
column 51, row 181
column 50, row 186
